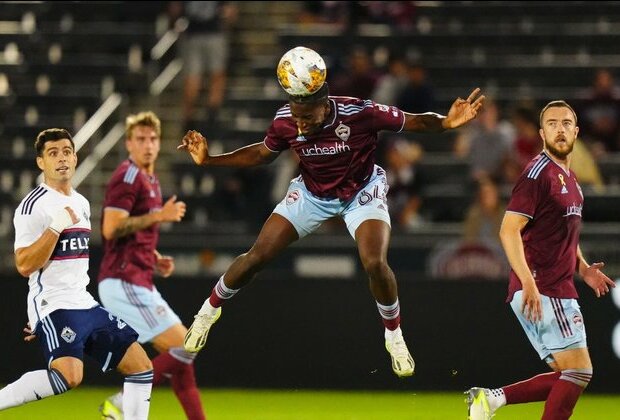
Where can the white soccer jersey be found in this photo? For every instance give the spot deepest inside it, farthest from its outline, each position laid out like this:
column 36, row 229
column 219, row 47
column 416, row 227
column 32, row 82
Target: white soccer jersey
column 61, row 282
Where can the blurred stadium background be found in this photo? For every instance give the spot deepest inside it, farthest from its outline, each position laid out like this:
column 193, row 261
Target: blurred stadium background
column 85, row 65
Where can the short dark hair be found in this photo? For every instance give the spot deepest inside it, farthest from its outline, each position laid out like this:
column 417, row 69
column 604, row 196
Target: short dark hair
column 51, row 134
column 317, row 97
column 556, row 104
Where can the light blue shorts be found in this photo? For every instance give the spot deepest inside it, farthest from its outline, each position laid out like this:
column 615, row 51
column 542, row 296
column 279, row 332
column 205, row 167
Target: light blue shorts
column 306, row 212
column 562, row 327
column 143, row 309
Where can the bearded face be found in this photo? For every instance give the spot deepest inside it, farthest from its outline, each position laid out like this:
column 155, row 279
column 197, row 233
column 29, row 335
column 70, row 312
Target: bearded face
column 559, row 131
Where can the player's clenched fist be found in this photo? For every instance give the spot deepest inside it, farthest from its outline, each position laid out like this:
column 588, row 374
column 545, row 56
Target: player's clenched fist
column 173, row 211
column 196, row 145
column 63, row 219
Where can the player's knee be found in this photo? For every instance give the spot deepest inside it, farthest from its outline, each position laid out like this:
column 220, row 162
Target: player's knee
column 375, row 266
column 143, row 364
column 257, row 258
column 135, row 360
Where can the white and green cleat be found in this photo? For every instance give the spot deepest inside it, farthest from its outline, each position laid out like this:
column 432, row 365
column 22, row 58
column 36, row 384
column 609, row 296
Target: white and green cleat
column 196, row 336
column 109, row 411
column 402, row 362
column 478, row 407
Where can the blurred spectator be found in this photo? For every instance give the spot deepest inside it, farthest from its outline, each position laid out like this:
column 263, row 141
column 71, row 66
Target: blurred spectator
column 484, row 216
column 405, row 181
column 418, row 96
column 347, row 15
column 399, row 15
column 486, row 143
column 357, row 78
column 599, row 114
column 391, row 85
column 335, row 13
column 527, row 142
column 586, row 168
column 205, row 50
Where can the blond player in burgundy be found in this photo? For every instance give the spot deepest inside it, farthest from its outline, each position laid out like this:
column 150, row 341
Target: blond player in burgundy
column 540, row 235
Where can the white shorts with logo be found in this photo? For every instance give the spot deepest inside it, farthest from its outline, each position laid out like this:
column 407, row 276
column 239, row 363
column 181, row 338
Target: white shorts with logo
column 562, row 327
column 306, row 212
column 143, row 309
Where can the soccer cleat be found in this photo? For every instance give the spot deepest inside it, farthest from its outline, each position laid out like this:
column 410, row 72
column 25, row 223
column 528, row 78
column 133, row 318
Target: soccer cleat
column 196, row 336
column 402, row 362
column 109, row 411
column 478, row 407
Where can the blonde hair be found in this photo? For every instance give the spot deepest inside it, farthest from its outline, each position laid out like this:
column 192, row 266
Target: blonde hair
column 146, row 118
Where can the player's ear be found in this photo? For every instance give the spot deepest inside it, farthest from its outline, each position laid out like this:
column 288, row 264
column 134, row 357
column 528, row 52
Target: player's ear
column 40, row 162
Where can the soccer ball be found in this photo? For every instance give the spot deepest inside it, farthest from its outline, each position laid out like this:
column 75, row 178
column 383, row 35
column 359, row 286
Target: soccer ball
column 301, row 71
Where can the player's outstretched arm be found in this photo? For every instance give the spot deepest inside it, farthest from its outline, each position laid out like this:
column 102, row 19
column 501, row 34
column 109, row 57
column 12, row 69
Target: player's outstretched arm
column 461, row 112
column 251, row 155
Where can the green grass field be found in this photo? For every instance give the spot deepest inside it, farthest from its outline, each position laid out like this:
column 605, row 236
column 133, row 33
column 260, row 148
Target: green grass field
column 81, row 404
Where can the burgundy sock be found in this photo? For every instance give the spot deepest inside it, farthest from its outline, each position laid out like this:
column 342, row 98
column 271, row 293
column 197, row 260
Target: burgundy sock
column 184, row 385
column 391, row 324
column 530, row 390
column 215, row 300
column 561, row 400
column 164, row 366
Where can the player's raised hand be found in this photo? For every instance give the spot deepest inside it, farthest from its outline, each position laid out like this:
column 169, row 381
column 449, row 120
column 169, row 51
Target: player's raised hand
column 196, row 145
column 173, row 210
column 597, row 280
column 463, row 110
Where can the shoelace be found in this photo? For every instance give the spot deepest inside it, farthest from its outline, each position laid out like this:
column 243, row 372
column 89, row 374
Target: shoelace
column 202, row 320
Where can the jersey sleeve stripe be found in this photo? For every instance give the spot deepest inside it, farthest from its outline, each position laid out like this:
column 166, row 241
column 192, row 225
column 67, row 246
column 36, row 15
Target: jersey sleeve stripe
column 538, row 167
column 270, row 149
column 518, row 212
column 130, row 175
column 29, row 204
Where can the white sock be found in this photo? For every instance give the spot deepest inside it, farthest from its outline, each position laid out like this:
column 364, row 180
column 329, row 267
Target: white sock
column 207, row 309
column 496, row 398
column 389, row 311
column 117, row 400
column 31, row 386
column 390, row 335
column 137, row 395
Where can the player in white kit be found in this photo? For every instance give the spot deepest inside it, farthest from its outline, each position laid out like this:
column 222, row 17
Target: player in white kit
column 52, row 232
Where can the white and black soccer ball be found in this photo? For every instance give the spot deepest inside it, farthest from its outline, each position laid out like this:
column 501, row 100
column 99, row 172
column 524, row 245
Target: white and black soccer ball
column 301, row 71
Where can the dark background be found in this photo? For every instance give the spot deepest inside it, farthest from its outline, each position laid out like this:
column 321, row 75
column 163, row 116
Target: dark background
column 286, row 332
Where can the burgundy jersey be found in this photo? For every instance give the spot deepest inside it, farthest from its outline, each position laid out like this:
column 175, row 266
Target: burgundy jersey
column 337, row 161
column 132, row 257
column 552, row 199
